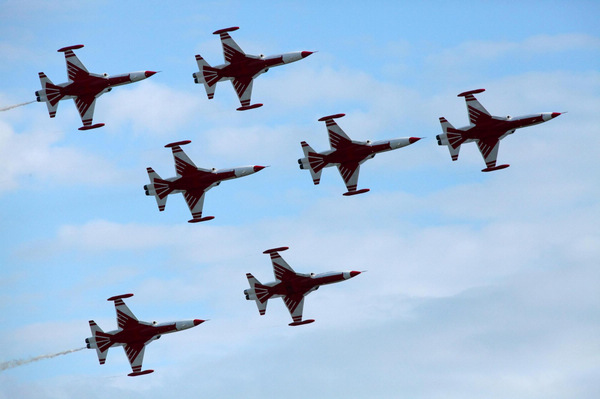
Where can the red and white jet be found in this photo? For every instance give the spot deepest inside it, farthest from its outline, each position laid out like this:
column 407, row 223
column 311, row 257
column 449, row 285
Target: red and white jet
column 486, row 130
column 346, row 154
column 133, row 335
column 192, row 181
column 290, row 286
column 240, row 68
column 83, row 87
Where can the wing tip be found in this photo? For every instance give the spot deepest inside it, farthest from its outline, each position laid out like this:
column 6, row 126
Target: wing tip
column 466, row 93
column 184, row 142
column 278, row 249
column 225, row 30
column 361, row 191
column 74, row 47
column 493, row 168
column 300, row 323
column 247, row 107
column 198, row 220
column 122, row 296
column 325, row 118
column 136, row 373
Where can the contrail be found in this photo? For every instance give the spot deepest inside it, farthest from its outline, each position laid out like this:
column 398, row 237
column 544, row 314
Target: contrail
column 20, row 362
column 15, row 106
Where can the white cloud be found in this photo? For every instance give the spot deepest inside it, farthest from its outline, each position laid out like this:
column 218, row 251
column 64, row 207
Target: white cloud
column 480, row 50
column 151, row 108
column 38, row 153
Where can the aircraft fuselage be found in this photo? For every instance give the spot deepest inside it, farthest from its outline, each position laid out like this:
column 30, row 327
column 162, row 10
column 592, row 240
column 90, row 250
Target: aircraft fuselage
column 201, row 180
column 497, row 127
column 142, row 333
column 249, row 67
column 356, row 153
column 302, row 284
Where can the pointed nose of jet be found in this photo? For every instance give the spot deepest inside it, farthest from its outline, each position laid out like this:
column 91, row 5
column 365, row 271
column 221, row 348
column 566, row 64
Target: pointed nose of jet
column 258, row 167
column 149, row 73
column 198, row 322
column 351, row 274
column 413, row 139
column 306, row 53
column 546, row 116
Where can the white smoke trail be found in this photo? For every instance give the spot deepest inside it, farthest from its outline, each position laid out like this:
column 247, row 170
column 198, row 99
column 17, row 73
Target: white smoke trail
column 15, row 106
column 20, row 362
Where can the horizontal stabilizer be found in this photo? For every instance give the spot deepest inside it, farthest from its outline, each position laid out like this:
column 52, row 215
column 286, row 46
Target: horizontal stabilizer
column 151, row 189
column 258, row 292
column 100, row 341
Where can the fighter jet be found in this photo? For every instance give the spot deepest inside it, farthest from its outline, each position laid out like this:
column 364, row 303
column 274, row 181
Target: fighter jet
column 240, row 68
column 192, row 181
column 290, row 286
column 486, row 130
column 83, row 87
column 346, row 154
column 133, row 335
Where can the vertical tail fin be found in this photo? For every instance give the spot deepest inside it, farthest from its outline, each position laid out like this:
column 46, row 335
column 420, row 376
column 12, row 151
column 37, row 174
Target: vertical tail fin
column 312, row 161
column 258, row 292
column 451, row 137
column 157, row 188
column 50, row 94
column 100, row 341
column 208, row 75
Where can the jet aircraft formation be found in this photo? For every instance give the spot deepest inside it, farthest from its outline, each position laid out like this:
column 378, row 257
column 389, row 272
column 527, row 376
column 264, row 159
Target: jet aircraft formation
column 193, row 182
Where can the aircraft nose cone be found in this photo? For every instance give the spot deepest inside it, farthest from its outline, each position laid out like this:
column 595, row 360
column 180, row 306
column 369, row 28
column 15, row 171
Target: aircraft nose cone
column 149, row 73
column 354, row 274
column 257, row 168
column 306, row 53
column 413, row 139
column 555, row 114
column 198, row 321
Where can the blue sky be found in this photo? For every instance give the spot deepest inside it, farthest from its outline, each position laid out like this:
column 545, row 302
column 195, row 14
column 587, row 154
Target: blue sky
column 478, row 285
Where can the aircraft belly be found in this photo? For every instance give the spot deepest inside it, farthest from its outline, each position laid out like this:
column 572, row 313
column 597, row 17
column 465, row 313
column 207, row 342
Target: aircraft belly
column 239, row 70
column 344, row 156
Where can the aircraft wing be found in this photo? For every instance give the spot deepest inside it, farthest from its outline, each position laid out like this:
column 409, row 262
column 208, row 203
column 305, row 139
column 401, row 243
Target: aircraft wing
column 349, row 172
column 125, row 317
column 135, row 355
column 477, row 112
column 85, row 105
column 489, row 151
column 295, row 305
column 231, row 50
column 281, row 269
column 183, row 163
column 337, row 137
column 195, row 201
column 243, row 89
column 75, row 68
